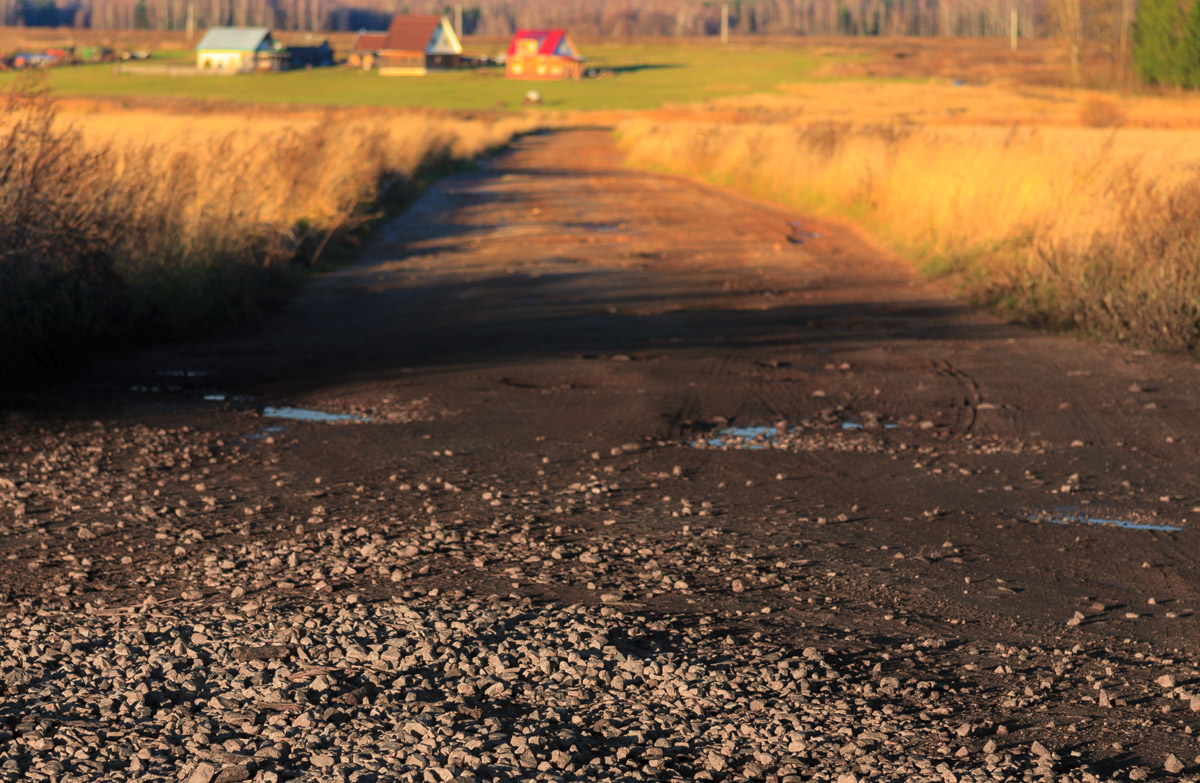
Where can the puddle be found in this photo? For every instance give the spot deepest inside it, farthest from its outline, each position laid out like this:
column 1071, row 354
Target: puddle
column 854, row 425
column 308, row 414
column 222, row 397
column 753, row 438
column 182, row 373
column 759, row 438
column 262, row 433
column 155, row 389
column 1071, row 516
column 797, row 235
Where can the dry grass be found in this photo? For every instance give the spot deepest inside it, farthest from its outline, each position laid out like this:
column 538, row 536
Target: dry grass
column 119, row 224
column 971, row 60
column 938, row 103
column 1095, row 228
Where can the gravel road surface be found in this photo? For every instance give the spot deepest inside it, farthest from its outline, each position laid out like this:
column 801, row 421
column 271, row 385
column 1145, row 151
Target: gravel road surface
column 590, row 474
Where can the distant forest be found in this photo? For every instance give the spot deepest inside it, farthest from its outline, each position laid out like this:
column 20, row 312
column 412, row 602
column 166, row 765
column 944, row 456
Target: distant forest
column 608, row 18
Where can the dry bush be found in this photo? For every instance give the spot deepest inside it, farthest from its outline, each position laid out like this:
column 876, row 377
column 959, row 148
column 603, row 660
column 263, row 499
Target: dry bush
column 56, row 240
column 1138, row 282
column 109, row 234
column 1101, row 113
column 1092, row 229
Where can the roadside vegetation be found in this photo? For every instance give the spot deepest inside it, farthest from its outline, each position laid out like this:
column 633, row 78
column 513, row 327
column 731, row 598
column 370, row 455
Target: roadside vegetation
column 123, row 230
column 1079, row 219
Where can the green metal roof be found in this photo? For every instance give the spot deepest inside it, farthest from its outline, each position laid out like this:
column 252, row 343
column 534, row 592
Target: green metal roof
column 241, row 39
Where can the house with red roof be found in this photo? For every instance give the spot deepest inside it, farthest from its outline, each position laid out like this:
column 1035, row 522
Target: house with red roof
column 365, row 49
column 543, row 54
column 413, row 45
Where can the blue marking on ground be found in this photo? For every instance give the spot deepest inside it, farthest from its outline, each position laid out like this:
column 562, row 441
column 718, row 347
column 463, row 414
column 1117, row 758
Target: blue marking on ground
column 1070, row 516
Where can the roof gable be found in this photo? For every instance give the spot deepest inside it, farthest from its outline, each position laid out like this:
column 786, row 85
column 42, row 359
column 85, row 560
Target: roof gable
column 242, row 39
column 422, row 33
column 369, row 42
column 445, row 40
column 551, row 42
column 566, row 48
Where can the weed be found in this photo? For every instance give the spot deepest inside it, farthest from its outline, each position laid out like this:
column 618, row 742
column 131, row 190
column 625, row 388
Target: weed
column 1080, row 228
column 128, row 236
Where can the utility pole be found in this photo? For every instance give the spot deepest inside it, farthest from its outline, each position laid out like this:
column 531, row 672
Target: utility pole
column 191, row 20
column 458, row 23
column 1014, row 29
column 724, row 23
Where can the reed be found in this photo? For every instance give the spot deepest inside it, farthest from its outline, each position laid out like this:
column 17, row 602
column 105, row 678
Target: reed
column 119, row 226
column 1090, row 228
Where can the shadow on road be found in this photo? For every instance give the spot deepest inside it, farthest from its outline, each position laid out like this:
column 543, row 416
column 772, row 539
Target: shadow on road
column 556, row 250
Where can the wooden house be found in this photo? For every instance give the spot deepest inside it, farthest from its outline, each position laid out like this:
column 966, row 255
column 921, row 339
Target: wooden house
column 364, row 52
column 415, row 44
column 238, row 49
column 311, row 56
column 543, row 54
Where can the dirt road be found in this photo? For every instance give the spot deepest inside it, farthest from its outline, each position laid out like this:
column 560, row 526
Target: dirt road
column 575, row 383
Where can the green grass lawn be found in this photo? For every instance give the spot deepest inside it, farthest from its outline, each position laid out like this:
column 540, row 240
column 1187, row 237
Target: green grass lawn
column 646, row 76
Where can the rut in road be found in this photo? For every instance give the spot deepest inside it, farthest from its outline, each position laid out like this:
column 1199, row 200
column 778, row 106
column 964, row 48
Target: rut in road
column 549, row 361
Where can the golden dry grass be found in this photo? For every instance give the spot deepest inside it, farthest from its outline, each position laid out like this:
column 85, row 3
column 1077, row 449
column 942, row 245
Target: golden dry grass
column 1059, row 221
column 940, row 103
column 271, row 168
column 114, row 223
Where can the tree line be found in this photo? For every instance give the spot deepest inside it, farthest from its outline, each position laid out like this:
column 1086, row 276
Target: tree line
column 609, row 18
column 1166, row 43
column 1160, row 37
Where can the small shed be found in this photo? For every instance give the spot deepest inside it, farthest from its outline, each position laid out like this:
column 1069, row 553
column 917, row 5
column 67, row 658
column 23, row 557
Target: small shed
column 238, row 49
column 415, row 44
column 312, row 56
column 543, row 54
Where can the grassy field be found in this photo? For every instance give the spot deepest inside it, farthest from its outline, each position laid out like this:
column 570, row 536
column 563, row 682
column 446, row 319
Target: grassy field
column 634, row 76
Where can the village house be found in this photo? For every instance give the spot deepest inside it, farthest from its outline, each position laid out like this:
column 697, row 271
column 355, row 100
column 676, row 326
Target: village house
column 312, row 56
column 413, row 45
column 543, row 54
column 239, row 49
column 364, row 52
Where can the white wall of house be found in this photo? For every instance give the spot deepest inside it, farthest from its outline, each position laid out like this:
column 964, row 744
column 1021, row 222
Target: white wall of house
column 224, row 61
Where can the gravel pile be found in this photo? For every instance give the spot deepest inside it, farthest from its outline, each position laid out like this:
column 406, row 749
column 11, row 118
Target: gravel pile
column 188, row 607
column 445, row 688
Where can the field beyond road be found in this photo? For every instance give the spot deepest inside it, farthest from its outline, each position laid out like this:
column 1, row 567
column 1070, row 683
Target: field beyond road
column 632, row 76
column 586, row 473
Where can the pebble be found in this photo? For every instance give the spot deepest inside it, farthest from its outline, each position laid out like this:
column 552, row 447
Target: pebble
column 438, row 687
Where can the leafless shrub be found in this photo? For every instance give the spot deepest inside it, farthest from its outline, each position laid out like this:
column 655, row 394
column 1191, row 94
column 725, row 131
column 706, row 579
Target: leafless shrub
column 1139, row 282
column 102, row 239
column 56, row 223
column 1101, row 112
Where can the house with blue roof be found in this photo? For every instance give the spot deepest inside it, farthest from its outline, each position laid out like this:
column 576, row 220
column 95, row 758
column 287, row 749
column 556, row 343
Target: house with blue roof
column 238, row 49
